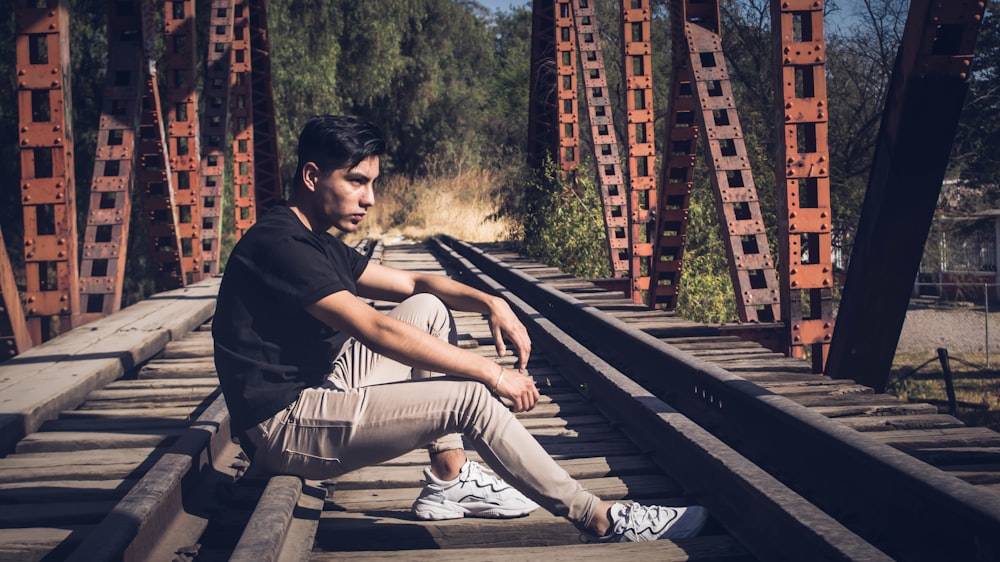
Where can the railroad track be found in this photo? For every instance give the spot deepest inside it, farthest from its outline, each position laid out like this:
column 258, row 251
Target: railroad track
column 188, row 494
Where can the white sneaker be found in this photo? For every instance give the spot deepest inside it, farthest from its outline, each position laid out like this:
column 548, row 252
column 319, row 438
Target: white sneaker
column 475, row 493
column 640, row 523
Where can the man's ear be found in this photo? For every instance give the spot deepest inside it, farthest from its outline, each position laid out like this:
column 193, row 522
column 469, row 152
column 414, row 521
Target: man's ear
column 310, row 175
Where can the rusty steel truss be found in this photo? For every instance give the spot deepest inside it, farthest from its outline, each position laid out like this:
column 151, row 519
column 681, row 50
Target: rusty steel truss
column 45, row 139
column 157, row 151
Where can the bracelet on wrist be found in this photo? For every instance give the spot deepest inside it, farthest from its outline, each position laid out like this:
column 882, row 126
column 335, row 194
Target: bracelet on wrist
column 499, row 380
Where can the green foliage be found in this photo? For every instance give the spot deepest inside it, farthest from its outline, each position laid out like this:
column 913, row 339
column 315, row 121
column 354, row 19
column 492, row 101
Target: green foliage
column 565, row 227
column 706, row 289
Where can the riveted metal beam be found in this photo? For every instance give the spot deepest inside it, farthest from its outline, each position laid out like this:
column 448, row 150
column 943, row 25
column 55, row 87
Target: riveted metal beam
column 923, row 105
column 638, row 81
column 241, row 120
column 751, row 266
column 215, row 132
column 45, row 140
column 14, row 336
column 183, row 135
column 267, row 173
column 677, row 172
column 607, row 161
column 802, row 179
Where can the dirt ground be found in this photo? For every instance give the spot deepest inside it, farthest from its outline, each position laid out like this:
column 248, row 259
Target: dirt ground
column 959, row 327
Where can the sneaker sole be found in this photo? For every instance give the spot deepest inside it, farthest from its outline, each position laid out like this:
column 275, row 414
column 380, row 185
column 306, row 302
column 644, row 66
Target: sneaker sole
column 437, row 512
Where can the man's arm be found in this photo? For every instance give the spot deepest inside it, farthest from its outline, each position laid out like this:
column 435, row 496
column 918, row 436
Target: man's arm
column 404, row 343
column 381, row 282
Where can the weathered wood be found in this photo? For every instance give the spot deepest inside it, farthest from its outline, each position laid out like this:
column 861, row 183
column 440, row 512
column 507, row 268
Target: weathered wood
column 66, row 441
column 63, row 491
column 55, row 376
column 610, row 488
column 36, row 544
column 195, row 368
column 700, row 549
column 884, row 423
column 53, row 514
column 203, row 382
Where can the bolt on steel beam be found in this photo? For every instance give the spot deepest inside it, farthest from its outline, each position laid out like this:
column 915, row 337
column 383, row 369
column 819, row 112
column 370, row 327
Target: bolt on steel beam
column 676, row 174
column 241, row 120
column 45, row 140
column 638, row 82
column 607, row 161
column 215, row 132
column 183, row 136
column 802, row 177
column 14, row 336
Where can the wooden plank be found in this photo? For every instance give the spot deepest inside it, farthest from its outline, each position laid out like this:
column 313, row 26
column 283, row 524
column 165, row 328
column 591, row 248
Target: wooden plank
column 66, row 441
column 64, row 490
column 610, row 488
column 195, row 368
column 55, row 376
column 397, row 476
column 204, row 382
column 889, row 423
column 698, row 549
column 181, row 413
column 54, row 514
column 931, row 438
column 36, row 544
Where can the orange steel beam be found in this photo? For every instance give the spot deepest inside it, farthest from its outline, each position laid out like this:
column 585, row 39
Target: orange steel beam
column 45, row 139
column 241, row 115
column 183, row 132
column 154, row 178
column 637, row 74
column 605, row 140
column 568, row 155
column 267, row 173
column 215, row 131
column 677, row 173
column 14, row 336
column 751, row 266
column 802, row 180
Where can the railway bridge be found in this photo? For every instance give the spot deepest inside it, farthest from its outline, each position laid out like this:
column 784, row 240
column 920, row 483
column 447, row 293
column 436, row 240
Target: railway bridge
column 115, row 435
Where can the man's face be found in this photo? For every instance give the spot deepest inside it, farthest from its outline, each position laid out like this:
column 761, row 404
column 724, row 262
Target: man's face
column 344, row 196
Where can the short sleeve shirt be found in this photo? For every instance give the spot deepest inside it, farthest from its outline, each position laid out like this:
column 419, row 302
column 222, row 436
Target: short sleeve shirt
column 267, row 347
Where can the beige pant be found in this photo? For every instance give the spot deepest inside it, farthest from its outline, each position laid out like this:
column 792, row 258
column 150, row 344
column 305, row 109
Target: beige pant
column 373, row 409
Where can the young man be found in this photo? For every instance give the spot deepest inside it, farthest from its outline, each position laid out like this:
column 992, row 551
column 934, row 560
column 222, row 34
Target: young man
column 319, row 383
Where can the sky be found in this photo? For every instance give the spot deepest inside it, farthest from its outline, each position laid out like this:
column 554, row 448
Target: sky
column 503, row 4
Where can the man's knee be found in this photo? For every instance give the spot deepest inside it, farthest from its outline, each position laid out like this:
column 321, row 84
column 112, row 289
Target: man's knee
column 426, row 311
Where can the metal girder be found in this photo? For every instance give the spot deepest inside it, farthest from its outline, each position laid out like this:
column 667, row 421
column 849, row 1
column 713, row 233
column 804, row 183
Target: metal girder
column 923, row 105
column 802, row 177
column 241, row 120
column 183, row 134
column 14, row 336
column 610, row 178
column 154, row 178
column 45, row 139
column 215, row 132
column 638, row 77
column 568, row 151
column 267, row 173
column 751, row 266
column 543, row 116
column 677, row 173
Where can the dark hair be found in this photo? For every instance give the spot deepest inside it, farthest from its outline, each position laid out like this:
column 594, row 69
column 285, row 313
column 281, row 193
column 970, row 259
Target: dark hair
column 334, row 142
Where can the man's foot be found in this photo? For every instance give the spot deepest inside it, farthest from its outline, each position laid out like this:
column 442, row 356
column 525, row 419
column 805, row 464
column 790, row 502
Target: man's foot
column 475, row 493
column 640, row 523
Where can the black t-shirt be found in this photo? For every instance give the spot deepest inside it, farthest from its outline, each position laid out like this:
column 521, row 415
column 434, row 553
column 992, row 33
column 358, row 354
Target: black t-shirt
column 267, row 347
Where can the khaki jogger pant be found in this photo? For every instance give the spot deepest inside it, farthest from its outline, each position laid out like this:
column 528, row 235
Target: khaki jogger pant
column 373, row 409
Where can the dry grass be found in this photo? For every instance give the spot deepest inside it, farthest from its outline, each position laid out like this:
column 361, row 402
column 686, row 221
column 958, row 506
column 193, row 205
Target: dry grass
column 977, row 388
column 458, row 204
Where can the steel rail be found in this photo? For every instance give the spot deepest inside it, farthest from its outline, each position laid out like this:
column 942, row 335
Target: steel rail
column 900, row 504
column 772, row 521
